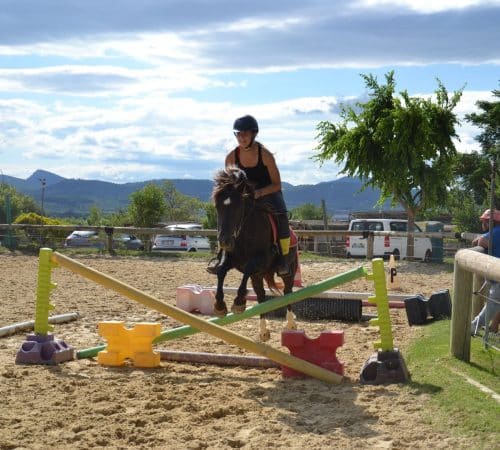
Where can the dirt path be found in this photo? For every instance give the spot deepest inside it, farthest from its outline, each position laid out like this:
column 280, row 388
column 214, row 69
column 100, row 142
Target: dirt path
column 83, row 405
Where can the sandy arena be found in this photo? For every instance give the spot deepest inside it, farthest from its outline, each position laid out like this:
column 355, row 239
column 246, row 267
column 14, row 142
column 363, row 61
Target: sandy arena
column 83, row 405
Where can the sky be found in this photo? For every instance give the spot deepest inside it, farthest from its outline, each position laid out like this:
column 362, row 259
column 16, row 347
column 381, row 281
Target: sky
column 126, row 91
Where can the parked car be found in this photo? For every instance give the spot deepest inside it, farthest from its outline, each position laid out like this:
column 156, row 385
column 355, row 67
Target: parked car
column 84, row 238
column 181, row 242
column 386, row 245
column 128, row 241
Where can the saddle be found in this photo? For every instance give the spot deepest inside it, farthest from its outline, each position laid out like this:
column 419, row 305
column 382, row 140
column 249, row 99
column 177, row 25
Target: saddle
column 274, row 226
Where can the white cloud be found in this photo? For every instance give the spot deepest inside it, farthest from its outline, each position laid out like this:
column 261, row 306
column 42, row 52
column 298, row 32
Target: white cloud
column 427, row 6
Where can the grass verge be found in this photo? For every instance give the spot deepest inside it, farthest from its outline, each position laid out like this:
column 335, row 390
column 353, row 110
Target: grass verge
column 455, row 405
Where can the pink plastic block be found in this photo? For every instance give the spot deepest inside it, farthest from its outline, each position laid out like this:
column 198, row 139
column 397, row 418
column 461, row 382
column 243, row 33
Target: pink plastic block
column 194, row 298
column 320, row 351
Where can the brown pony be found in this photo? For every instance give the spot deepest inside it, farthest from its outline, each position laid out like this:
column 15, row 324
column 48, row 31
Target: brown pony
column 246, row 238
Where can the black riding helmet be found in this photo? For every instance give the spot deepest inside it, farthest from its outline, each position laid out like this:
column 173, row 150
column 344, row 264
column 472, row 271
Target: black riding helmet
column 246, row 123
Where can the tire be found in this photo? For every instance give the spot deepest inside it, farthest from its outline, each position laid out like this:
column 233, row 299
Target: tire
column 396, row 254
column 428, row 256
column 191, row 250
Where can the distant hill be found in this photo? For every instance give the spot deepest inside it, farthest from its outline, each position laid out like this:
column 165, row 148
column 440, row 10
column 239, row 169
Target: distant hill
column 75, row 197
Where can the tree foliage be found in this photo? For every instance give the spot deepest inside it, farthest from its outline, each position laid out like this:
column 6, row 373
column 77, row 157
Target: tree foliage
column 180, row 207
column 489, row 121
column 19, row 203
column 147, row 206
column 307, row 211
column 400, row 144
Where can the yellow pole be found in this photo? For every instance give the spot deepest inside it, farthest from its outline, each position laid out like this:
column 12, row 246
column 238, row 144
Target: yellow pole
column 201, row 324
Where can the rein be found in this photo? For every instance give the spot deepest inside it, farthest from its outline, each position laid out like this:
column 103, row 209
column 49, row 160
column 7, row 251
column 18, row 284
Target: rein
column 244, row 216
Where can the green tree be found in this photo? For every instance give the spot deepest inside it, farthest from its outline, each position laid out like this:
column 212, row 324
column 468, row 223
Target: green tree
column 401, row 145
column 95, row 217
column 147, row 206
column 472, row 174
column 40, row 235
column 489, row 121
column 210, row 220
column 307, row 211
column 180, row 207
column 19, row 203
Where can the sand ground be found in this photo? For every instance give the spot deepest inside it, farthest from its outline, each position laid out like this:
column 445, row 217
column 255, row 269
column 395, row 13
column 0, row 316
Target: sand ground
column 83, row 405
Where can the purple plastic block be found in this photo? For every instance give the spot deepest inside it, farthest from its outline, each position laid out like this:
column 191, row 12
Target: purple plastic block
column 43, row 349
column 385, row 367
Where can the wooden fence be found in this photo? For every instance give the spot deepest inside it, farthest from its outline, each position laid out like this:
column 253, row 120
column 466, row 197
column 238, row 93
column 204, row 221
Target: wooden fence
column 471, row 267
column 325, row 242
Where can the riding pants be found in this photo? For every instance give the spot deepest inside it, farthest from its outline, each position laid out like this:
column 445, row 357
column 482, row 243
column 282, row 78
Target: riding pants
column 277, row 205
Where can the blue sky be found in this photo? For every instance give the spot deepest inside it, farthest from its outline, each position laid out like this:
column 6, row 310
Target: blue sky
column 129, row 91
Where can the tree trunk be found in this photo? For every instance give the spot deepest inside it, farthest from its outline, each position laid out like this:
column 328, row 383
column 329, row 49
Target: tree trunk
column 410, row 243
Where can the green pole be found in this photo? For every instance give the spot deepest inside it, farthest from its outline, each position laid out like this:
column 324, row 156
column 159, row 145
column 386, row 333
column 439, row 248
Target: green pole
column 261, row 308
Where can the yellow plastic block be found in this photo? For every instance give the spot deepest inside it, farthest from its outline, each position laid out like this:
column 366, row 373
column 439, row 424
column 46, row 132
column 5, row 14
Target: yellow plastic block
column 129, row 343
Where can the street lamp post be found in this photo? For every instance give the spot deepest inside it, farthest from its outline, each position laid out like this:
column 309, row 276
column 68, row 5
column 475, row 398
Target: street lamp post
column 44, row 182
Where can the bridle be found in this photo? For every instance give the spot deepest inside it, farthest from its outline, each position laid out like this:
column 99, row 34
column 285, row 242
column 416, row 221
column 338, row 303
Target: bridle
column 247, row 207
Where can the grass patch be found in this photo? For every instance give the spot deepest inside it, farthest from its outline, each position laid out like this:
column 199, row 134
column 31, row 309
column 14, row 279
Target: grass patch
column 455, row 406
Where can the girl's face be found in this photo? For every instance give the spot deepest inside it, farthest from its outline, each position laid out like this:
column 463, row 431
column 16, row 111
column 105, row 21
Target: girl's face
column 244, row 137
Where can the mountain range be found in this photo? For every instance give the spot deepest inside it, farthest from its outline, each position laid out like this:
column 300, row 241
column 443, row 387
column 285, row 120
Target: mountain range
column 74, row 197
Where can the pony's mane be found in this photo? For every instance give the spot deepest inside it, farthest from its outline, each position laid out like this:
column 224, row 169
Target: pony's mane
column 232, row 178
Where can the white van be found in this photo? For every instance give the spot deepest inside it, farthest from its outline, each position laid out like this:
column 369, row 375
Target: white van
column 386, row 245
column 181, row 242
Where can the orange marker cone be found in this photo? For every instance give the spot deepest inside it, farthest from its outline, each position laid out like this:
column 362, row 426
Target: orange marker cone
column 297, row 281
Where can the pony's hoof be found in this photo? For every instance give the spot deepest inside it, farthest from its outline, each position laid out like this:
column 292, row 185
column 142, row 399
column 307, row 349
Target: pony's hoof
column 220, row 312
column 265, row 336
column 238, row 309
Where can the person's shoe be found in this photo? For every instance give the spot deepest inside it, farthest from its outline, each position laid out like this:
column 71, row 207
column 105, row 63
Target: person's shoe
column 213, row 265
column 283, row 268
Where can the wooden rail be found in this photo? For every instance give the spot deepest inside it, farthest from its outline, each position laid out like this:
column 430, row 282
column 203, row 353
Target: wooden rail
column 469, row 263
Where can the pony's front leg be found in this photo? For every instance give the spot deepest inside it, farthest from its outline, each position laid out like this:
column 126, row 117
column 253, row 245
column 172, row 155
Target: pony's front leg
column 290, row 319
column 220, row 308
column 258, row 287
column 240, row 302
column 264, row 334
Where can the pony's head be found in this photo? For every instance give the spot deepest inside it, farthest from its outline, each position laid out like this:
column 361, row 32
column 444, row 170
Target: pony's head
column 232, row 195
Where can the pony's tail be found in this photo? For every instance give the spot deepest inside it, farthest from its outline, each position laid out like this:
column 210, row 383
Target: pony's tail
column 271, row 284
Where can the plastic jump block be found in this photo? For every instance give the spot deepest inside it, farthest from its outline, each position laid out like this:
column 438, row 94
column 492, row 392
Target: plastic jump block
column 43, row 306
column 134, row 343
column 320, row 351
column 383, row 320
column 44, row 349
column 192, row 297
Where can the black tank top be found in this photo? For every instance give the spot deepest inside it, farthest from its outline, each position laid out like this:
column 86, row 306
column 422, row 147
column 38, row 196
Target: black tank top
column 257, row 174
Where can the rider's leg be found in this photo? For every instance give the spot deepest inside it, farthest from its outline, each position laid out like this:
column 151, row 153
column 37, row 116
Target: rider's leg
column 281, row 216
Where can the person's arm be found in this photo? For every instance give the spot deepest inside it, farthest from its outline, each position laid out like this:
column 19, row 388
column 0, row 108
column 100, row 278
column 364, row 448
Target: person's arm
column 483, row 242
column 274, row 173
column 230, row 159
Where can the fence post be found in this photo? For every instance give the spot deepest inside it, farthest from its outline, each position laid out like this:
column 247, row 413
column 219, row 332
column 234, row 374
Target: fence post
column 461, row 313
column 370, row 240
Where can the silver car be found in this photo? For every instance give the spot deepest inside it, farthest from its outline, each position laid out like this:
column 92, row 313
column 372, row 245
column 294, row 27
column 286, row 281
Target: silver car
column 183, row 243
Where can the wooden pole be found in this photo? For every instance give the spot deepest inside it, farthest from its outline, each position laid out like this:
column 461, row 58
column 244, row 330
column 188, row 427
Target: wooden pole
column 200, row 324
column 467, row 263
column 461, row 313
